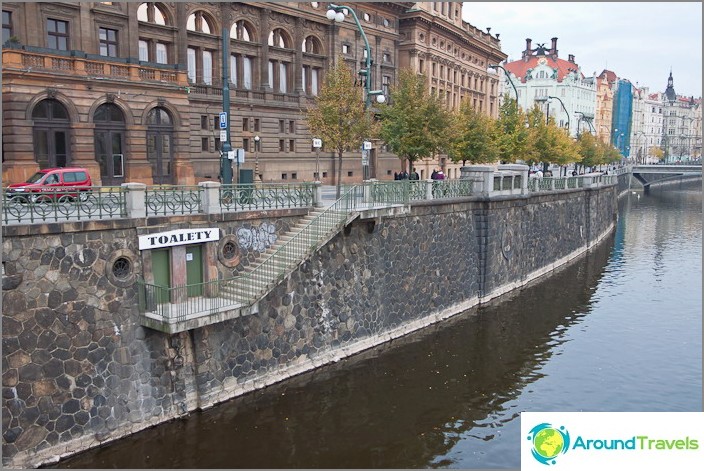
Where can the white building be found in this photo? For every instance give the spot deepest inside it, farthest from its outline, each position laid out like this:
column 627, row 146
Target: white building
column 556, row 85
column 647, row 125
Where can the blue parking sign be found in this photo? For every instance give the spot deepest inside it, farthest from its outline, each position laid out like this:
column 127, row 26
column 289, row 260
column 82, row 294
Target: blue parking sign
column 223, row 120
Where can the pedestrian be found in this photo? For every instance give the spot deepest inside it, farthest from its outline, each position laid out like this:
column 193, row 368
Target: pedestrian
column 414, row 175
column 396, row 176
column 440, row 175
column 404, row 175
column 434, row 175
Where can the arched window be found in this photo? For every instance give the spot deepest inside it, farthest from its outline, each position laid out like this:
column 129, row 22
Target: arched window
column 109, row 143
column 312, row 45
column 242, row 31
column 160, row 145
column 280, row 38
column 199, row 22
column 151, row 12
column 51, row 134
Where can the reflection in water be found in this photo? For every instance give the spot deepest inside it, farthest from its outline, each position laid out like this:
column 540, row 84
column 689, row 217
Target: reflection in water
column 451, row 395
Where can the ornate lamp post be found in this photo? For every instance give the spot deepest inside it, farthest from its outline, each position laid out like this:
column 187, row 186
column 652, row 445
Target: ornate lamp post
column 337, row 13
column 565, row 110
column 256, row 159
column 225, row 164
column 508, row 76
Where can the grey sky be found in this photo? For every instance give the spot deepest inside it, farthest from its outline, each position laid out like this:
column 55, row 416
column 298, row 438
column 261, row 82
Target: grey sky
column 639, row 41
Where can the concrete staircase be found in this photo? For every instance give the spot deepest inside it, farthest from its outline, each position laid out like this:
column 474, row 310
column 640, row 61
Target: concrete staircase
column 290, row 250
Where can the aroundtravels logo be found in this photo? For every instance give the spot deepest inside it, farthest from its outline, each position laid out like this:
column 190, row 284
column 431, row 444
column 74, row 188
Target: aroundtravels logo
column 548, row 442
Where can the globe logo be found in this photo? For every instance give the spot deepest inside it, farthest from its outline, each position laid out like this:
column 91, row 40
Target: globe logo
column 548, row 442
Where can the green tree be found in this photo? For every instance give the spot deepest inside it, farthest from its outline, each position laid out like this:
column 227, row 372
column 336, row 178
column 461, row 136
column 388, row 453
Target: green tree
column 415, row 123
column 513, row 136
column 588, row 149
column 340, row 117
column 474, row 136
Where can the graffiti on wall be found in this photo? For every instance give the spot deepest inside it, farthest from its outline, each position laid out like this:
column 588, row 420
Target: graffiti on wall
column 257, row 238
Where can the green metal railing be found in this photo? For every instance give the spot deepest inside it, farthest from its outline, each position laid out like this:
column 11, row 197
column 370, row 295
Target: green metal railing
column 64, row 205
column 175, row 304
column 266, row 196
column 169, row 200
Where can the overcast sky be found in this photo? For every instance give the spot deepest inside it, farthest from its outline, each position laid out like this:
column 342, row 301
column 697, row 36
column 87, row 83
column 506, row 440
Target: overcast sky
column 639, row 41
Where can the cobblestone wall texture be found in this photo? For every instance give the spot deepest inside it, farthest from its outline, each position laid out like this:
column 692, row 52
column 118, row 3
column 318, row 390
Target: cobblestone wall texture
column 78, row 369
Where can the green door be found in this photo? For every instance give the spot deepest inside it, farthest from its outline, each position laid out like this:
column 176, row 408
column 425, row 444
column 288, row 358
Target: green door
column 194, row 271
column 162, row 275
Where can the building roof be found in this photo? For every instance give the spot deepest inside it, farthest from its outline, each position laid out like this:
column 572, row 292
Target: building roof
column 609, row 75
column 520, row 67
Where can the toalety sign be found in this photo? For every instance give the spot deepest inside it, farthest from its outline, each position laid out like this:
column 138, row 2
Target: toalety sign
column 577, row 441
column 178, row 237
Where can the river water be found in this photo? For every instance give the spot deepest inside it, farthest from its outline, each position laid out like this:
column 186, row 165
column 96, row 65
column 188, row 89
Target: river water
column 618, row 330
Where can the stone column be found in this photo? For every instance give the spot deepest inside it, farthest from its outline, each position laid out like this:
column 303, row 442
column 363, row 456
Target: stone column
column 210, row 203
column 481, row 175
column 136, row 200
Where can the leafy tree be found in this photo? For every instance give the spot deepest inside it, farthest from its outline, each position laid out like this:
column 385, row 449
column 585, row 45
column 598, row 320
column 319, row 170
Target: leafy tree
column 656, row 152
column 513, row 136
column 588, row 149
column 415, row 123
column 339, row 117
column 474, row 136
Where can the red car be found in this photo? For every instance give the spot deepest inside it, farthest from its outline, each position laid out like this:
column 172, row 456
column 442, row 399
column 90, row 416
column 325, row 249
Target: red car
column 53, row 183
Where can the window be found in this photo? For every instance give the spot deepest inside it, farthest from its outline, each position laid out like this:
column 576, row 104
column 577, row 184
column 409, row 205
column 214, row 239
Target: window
column 282, row 145
column 245, row 124
column 242, row 31
column 367, row 17
column 204, row 122
column 279, row 38
column 208, row 67
column 162, row 56
column 386, row 22
column 199, row 23
column 292, row 126
column 108, row 42
column 57, row 34
column 143, row 51
column 191, row 65
column 385, row 84
column 291, row 145
column 350, row 174
column 345, row 48
column 245, row 144
column 283, row 77
column 151, row 13
column 294, row 176
column 421, row 66
column 256, row 125
column 204, row 144
column 6, row 26
column 247, row 73
column 281, row 126
column 284, row 176
column 386, row 57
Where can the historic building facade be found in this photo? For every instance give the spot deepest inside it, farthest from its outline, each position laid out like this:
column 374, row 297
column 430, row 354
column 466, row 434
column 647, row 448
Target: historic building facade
column 605, row 89
column 556, row 85
column 453, row 55
column 132, row 91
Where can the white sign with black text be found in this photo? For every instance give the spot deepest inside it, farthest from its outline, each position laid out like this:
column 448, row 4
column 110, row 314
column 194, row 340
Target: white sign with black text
column 178, row 237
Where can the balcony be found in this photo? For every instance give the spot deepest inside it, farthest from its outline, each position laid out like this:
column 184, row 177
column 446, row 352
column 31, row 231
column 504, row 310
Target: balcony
column 78, row 64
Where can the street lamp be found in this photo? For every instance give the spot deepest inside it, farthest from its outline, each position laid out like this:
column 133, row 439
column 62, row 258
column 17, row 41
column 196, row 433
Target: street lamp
column 641, row 149
column 544, row 99
column 225, row 164
column 337, row 13
column 565, row 109
column 508, row 76
column 256, row 158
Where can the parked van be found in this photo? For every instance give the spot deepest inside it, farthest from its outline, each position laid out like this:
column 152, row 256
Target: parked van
column 53, row 183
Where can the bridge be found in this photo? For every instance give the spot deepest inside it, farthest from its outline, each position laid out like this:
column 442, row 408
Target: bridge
column 654, row 174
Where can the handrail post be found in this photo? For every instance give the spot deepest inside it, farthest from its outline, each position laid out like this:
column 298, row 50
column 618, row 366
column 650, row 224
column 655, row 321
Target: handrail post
column 318, row 194
column 429, row 189
column 135, row 200
column 210, row 203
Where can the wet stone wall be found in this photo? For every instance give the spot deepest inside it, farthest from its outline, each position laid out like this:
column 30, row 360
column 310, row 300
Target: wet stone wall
column 78, row 369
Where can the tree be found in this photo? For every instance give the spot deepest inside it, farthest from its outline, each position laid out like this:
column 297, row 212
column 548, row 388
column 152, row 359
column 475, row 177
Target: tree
column 588, row 149
column 340, row 117
column 656, row 153
column 474, row 136
column 513, row 136
column 414, row 124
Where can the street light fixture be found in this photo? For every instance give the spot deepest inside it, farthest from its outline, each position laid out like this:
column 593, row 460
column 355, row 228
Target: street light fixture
column 337, row 13
column 256, row 158
column 544, row 99
column 566, row 113
column 508, row 76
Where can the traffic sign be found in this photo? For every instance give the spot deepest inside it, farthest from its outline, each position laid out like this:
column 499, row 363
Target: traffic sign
column 367, row 145
column 317, row 143
column 223, row 120
column 223, row 135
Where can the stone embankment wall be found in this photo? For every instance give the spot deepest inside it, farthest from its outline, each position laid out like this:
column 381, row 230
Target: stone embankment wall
column 79, row 370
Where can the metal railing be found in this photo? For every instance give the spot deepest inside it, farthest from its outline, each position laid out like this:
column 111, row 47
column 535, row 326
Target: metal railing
column 64, row 205
column 244, row 197
column 172, row 200
column 189, row 301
